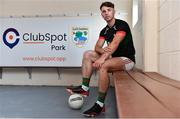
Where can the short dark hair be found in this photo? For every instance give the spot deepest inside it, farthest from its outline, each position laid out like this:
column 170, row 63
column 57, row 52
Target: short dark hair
column 107, row 4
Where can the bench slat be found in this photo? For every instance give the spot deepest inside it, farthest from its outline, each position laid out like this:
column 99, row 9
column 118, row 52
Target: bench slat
column 134, row 101
column 168, row 96
column 163, row 79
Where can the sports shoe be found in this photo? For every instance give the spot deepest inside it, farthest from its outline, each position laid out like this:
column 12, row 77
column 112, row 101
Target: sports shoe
column 77, row 89
column 94, row 111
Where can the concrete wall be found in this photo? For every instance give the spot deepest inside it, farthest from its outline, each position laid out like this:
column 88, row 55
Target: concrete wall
column 169, row 41
column 52, row 76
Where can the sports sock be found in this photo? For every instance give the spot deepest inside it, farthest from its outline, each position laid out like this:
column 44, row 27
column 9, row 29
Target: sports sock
column 85, row 83
column 85, row 88
column 101, row 99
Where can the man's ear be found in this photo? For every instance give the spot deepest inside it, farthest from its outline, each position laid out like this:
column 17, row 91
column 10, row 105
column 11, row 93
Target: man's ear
column 114, row 11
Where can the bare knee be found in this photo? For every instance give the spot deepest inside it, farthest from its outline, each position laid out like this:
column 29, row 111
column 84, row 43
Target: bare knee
column 104, row 68
column 88, row 54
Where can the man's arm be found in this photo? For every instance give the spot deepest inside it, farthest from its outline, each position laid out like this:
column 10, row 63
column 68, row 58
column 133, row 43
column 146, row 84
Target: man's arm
column 99, row 45
column 110, row 49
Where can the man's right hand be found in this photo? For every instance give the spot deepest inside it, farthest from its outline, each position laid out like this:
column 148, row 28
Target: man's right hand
column 107, row 49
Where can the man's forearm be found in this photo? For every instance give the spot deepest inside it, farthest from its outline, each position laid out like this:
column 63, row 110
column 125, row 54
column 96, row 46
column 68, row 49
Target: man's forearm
column 99, row 50
column 105, row 55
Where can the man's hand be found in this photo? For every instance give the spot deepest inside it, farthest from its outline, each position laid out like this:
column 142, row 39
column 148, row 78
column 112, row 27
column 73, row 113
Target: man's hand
column 107, row 49
column 98, row 63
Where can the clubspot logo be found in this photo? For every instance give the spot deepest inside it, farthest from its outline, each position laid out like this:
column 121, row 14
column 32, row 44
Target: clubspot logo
column 11, row 37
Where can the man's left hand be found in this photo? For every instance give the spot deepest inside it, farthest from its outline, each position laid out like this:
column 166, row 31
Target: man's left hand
column 98, row 63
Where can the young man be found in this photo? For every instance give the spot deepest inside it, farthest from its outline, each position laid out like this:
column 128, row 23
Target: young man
column 118, row 55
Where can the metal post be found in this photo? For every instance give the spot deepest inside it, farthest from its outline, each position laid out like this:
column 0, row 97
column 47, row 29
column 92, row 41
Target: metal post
column 29, row 70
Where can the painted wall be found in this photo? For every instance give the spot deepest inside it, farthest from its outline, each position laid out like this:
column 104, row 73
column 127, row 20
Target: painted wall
column 150, row 28
column 59, row 7
column 169, row 41
column 145, row 33
column 138, row 32
column 157, row 37
column 41, row 8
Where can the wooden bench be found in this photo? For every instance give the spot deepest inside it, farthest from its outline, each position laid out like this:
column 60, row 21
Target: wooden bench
column 146, row 95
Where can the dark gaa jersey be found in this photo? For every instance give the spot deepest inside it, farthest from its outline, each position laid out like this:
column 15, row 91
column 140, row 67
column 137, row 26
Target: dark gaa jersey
column 126, row 47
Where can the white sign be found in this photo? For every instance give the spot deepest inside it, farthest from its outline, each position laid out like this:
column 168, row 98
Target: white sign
column 51, row 42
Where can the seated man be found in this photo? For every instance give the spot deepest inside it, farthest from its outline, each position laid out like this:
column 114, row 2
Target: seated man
column 118, row 55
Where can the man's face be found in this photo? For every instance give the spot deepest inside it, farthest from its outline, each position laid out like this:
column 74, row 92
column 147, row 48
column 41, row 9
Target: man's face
column 107, row 13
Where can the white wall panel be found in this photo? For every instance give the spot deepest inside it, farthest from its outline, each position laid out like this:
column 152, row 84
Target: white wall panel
column 175, row 66
column 164, row 64
column 169, row 57
column 161, row 2
column 174, row 6
column 164, row 15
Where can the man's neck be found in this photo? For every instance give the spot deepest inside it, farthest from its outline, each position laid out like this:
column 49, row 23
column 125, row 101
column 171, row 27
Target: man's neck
column 111, row 22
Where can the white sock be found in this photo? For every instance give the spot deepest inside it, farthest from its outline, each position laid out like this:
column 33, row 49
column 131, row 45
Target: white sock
column 100, row 103
column 85, row 87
